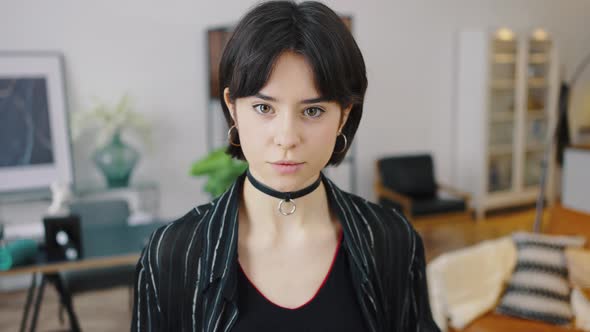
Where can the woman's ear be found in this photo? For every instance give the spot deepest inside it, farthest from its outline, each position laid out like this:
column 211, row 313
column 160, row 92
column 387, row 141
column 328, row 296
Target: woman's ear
column 344, row 117
column 230, row 105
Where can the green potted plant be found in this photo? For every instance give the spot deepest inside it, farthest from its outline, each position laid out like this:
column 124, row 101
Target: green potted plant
column 220, row 169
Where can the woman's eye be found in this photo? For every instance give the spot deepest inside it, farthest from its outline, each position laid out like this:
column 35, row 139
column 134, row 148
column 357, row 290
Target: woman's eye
column 262, row 108
column 313, row 112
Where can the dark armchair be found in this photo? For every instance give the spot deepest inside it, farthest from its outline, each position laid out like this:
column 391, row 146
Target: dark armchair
column 408, row 183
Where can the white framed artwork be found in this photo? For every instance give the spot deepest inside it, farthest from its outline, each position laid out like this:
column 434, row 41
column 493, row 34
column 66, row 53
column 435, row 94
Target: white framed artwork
column 35, row 147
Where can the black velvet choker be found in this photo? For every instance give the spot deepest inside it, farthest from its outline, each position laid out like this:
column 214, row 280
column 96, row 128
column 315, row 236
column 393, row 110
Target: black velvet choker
column 285, row 197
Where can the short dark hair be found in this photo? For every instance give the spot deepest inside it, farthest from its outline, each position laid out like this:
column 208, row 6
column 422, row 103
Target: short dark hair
column 310, row 29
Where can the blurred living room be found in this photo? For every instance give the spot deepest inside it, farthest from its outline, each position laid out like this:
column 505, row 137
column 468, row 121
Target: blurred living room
column 476, row 126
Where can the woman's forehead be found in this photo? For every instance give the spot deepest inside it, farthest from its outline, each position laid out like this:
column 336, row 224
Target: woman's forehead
column 292, row 78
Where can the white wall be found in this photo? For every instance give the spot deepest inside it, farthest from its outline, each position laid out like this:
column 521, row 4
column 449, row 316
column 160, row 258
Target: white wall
column 156, row 51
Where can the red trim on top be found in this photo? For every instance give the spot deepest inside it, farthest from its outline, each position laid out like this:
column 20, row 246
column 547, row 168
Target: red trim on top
column 316, row 292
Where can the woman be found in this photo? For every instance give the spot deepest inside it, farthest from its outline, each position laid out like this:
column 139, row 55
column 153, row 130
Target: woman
column 284, row 249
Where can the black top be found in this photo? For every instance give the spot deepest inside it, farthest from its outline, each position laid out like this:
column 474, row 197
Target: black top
column 334, row 306
column 187, row 276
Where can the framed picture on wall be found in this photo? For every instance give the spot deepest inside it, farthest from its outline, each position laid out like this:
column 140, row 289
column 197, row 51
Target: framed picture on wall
column 34, row 138
column 217, row 38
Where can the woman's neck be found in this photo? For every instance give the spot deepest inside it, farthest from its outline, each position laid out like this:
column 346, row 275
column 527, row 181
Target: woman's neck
column 260, row 216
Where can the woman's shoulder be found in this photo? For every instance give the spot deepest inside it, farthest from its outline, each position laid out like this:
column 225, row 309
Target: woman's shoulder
column 181, row 235
column 187, row 223
column 387, row 230
column 381, row 218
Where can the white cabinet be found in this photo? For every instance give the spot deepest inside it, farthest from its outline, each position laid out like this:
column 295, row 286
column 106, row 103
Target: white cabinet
column 507, row 85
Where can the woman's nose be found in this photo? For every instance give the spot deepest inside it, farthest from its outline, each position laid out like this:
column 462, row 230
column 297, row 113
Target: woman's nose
column 286, row 133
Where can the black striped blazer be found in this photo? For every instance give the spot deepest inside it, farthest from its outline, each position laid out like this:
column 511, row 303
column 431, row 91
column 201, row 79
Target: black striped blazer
column 186, row 278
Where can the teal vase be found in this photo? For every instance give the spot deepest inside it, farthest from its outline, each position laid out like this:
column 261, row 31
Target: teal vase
column 116, row 161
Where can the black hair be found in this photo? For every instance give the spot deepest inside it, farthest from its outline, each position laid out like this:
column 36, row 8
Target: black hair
column 309, row 28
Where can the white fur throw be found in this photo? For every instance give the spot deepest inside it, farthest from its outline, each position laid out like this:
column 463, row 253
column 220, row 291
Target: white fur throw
column 466, row 283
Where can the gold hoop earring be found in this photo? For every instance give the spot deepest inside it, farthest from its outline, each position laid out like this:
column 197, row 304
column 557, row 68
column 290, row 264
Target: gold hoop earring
column 229, row 136
column 345, row 142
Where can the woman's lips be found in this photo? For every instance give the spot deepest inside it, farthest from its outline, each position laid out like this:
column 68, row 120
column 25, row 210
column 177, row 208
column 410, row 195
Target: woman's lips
column 287, row 168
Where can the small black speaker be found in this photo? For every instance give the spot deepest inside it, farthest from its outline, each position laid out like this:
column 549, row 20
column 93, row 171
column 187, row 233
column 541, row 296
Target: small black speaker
column 63, row 240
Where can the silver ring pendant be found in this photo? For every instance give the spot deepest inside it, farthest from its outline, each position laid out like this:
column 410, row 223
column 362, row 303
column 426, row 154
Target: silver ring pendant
column 287, row 213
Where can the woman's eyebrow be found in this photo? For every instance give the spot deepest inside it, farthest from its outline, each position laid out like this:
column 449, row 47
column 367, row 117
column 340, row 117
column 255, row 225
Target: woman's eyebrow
column 305, row 101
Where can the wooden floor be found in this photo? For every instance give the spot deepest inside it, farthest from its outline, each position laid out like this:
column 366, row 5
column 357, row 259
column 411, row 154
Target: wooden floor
column 442, row 235
column 109, row 310
column 104, row 311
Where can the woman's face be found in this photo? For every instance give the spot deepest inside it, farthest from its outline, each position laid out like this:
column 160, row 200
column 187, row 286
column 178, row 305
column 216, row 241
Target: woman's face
column 287, row 122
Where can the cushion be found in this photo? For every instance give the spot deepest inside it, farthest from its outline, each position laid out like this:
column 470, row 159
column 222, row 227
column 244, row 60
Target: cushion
column 436, row 205
column 428, row 206
column 538, row 288
column 17, row 252
column 578, row 263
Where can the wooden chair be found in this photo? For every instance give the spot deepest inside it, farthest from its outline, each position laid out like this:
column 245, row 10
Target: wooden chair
column 408, row 183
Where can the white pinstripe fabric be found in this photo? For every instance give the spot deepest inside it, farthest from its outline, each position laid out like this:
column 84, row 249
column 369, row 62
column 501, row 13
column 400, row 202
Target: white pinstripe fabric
column 380, row 244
